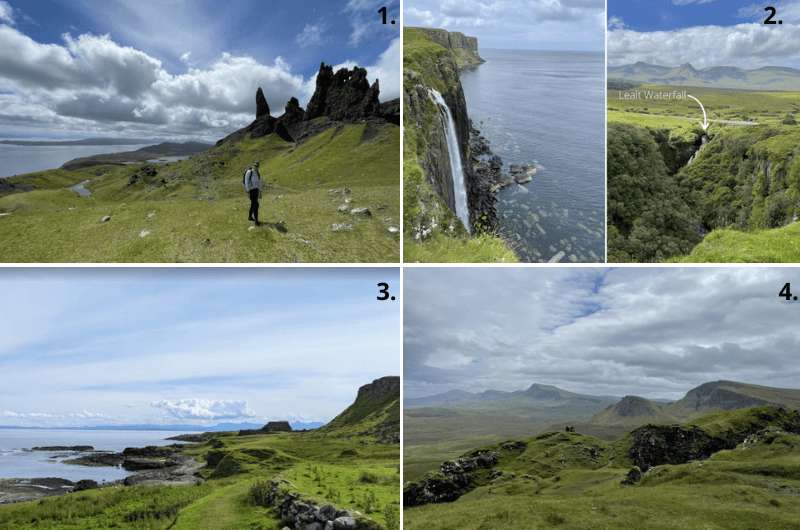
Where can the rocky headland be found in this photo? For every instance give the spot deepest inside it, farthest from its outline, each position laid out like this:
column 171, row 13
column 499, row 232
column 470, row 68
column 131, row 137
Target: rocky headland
column 154, row 465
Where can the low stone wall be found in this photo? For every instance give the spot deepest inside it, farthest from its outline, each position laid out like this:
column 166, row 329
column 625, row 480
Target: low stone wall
column 297, row 513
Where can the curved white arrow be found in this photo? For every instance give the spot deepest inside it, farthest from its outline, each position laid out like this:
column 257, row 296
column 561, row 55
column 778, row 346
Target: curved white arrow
column 705, row 117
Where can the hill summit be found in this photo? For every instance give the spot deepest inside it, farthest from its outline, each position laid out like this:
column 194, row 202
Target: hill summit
column 376, row 411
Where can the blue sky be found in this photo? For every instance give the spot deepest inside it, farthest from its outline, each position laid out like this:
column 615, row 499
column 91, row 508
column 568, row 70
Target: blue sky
column 517, row 24
column 179, row 68
column 654, row 15
column 704, row 33
column 632, row 331
column 116, row 346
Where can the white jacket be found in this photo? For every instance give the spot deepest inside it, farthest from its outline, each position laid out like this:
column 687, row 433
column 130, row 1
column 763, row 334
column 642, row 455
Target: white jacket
column 252, row 180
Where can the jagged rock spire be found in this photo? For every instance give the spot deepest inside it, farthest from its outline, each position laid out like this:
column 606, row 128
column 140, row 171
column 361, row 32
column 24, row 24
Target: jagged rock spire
column 262, row 107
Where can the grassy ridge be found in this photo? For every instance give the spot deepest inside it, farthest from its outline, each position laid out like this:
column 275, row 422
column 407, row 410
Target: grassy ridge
column 570, row 480
column 199, row 212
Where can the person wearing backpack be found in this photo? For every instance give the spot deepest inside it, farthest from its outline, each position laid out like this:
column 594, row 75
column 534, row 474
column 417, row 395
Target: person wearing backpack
column 252, row 185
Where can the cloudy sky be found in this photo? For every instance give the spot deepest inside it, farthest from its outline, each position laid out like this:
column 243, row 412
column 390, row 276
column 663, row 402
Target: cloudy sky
column 517, row 24
column 704, row 33
column 176, row 68
column 646, row 331
column 115, row 346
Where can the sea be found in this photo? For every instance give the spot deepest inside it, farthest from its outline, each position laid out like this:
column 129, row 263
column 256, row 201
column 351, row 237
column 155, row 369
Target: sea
column 19, row 159
column 18, row 461
column 546, row 108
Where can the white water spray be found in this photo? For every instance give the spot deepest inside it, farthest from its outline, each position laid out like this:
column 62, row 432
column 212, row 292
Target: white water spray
column 454, row 151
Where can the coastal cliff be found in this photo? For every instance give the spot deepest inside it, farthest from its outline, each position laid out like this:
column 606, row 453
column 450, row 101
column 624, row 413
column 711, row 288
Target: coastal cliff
column 432, row 61
column 464, row 48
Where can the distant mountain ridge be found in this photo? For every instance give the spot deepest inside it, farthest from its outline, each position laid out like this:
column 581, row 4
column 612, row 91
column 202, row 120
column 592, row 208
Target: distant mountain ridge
column 220, row 427
column 709, row 397
column 535, row 392
column 730, row 77
column 84, row 141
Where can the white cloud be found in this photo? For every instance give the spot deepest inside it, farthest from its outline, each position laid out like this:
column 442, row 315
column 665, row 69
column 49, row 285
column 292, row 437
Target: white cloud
column 91, row 83
column 652, row 332
column 186, row 57
column 205, row 409
column 744, row 45
column 532, row 24
column 312, row 35
column 6, row 12
column 615, row 23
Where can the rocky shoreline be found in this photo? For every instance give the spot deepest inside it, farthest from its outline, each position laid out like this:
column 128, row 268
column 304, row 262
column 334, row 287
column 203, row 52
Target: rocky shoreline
column 152, row 465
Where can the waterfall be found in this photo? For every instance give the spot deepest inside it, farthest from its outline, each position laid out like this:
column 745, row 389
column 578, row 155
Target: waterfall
column 454, row 151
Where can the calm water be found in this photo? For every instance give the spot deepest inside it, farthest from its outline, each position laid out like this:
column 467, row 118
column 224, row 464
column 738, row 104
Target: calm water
column 18, row 159
column 16, row 461
column 546, row 108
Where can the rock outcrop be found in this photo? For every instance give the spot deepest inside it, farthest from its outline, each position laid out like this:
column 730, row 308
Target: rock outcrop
column 277, row 426
column 345, row 95
column 262, row 107
column 270, row 428
column 454, row 479
column 341, row 96
column 653, row 445
column 376, row 411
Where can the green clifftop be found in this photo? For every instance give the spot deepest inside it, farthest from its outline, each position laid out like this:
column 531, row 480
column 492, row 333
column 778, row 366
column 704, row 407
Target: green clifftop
column 433, row 232
column 464, row 48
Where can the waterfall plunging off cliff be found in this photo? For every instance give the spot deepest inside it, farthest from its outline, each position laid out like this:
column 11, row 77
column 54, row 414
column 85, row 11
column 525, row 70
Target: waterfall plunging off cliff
column 454, row 151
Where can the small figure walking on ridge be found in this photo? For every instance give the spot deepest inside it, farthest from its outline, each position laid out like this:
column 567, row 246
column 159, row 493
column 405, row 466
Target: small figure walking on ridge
column 252, row 185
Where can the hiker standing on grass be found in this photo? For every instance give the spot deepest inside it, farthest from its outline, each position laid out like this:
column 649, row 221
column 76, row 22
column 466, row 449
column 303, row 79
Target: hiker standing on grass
column 252, row 185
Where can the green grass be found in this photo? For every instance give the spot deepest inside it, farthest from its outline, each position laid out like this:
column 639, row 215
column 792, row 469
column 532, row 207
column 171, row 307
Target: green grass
column 720, row 104
column 777, row 245
column 572, row 481
column 368, row 489
column 200, row 213
column 352, row 466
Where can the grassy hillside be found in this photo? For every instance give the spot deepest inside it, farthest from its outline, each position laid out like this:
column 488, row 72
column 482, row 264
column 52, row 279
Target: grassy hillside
column 426, row 63
column 196, row 211
column 570, row 480
column 741, row 185
column 433, row 434
column 338, row 466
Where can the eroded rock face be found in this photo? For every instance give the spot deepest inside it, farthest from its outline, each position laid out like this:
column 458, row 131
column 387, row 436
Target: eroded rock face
column 262, row 107
column 345, row 95
column 654, row 445
column 454, row 479
column 292, row 113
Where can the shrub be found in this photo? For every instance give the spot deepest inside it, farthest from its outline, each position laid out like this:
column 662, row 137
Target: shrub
column 259, row 493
